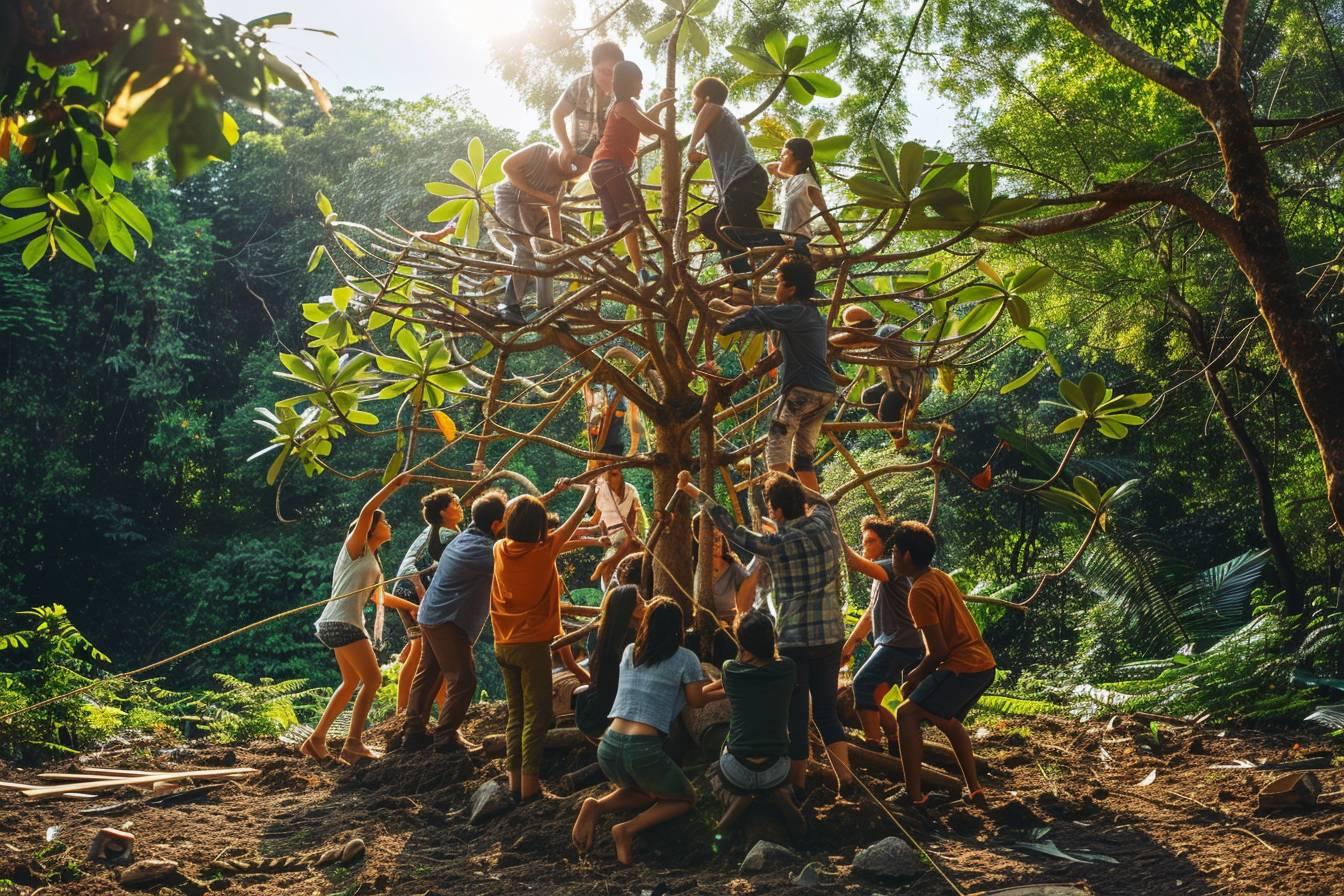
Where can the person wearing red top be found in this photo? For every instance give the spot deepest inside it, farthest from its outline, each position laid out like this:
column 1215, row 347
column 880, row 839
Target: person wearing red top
column 610, row 173
column 957, row 666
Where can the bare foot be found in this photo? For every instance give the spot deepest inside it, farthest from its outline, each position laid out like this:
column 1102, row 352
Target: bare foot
column 314, row 750
column 357, row 753
column 582, row 835
column 624, row 841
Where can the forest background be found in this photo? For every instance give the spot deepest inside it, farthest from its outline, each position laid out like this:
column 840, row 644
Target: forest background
column 131, row 390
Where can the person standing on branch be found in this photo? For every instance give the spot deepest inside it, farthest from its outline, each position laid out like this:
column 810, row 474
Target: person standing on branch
column 804, row 558
column 587, row 99
column 739, row 180
column 957, row 666
column 610, row 418
column 528, row 203
column 898, row 646
column 800, row 195
column 901, row 385
column 452, row 615
column 807, row 390
column 357, row 579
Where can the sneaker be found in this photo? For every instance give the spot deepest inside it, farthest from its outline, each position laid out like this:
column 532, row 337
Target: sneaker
column 511, row 315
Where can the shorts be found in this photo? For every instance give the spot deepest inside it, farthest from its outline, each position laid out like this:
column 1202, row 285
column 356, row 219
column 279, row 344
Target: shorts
column 886, row 665
column 796, row 426
column 339, row 634
column 614, row 192
column 950, row 695
column 750, row 776
column 639, row 762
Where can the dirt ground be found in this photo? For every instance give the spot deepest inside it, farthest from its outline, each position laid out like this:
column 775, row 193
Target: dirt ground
column 1164, row 805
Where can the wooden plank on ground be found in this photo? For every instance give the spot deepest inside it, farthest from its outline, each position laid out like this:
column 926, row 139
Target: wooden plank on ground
column 110, row 784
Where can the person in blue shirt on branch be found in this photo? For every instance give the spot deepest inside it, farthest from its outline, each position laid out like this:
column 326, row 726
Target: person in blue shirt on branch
column 807, row 390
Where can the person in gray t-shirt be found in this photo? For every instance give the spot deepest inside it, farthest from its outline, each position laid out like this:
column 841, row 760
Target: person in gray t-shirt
column 528, row 205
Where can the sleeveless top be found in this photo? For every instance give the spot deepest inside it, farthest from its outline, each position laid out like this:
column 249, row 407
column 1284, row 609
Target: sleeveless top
column 620, row 140
column 730, row 155
column 359, row 575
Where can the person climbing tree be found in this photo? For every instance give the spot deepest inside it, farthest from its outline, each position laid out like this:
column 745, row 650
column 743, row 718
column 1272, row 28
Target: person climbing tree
column 614, row 425
column 897, row 648
column 357, row 579
column 658, row 677
column 901, row 386
column 528, row 204
column 804, row 558
column 452, row 615
column 587, row 99
column 799, row 196
column 442, row 512
column 957, row 666
column 806, row 388
column 618, row 517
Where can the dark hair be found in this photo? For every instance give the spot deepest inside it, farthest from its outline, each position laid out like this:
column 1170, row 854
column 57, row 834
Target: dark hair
column 801, row 147
column 432, row 506
column 613, row 626
column 784, row 493
column 796, row 271
column 660, row 633
column 525, row 519
column 882, row 528
column 626, row 80
column 605, row 51
column 711, row 89
column 378, row 516
column 630, row 570
column 488, row 509
column 916, row 538
column 755, row 632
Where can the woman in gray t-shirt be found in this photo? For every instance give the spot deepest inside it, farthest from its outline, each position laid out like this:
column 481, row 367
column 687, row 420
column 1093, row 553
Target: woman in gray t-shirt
column 357, row 579
column 658, row 677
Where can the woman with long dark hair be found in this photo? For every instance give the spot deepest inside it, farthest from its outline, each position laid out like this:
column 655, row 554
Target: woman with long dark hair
column 622, row 611
column 442, row 512
column 658, row 676
column 799, row 195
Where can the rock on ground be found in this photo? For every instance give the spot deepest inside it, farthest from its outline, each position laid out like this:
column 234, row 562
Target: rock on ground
column 490, row 799
column 890, row 859
column 767, row 856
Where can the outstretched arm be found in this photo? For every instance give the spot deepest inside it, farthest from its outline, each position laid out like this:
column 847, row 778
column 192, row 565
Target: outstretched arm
column 861, row 630
column 567, row 528
column 857, row 562
column 819, row 200
column 359, row 536
column 755, row 542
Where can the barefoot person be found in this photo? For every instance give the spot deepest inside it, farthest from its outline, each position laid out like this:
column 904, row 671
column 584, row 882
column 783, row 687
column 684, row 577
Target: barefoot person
column 658, row 677
column 357, row 579
column 957, row 667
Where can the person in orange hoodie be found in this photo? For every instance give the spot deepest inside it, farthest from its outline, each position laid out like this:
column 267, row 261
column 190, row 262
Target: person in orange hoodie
column 525, row 614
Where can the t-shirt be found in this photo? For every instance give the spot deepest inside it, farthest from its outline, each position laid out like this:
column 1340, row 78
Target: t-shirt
column 891, row 612
column 590, row 112
column 417, row 559
column 357, row 578
column 802, row 342
column 460, row 590
column 525, row 591
column 936, row 600
column 730, row 155
column 616, row 512
column 654, row 694
column 794, row 203
column 536, row 172
column 759, row 697
column 725, row 588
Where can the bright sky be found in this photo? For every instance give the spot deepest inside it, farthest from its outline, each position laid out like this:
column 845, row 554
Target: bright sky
column 414, row 47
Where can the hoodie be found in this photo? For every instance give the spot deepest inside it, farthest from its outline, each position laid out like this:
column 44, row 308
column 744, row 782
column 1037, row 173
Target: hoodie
column 525, row 592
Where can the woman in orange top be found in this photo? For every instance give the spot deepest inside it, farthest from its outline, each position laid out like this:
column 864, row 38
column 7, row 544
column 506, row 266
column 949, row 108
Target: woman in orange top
column 610, row 173
column 525, row 614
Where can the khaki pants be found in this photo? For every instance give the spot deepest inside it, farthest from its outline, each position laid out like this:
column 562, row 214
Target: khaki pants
column 446, row 654
column 527, row 682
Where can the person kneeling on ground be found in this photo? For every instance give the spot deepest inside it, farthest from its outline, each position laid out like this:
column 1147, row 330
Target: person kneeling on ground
column 957, row 667
column 755, row 759
column 658, row 677
column 622, row 610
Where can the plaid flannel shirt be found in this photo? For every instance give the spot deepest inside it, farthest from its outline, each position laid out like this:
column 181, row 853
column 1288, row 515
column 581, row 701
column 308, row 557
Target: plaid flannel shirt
column 805, row 559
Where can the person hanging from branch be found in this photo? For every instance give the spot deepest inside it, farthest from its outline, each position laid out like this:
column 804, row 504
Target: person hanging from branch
column 614, row 424
column 901, row 386
column 358, row 576
column 800, row 196
column 618, row 518
column 957, row 667
column 587, row 100
column 805, row 556
column 528, row 203
column 615, row 156
column 739, row 180
column 452, row 616
column 807, row 390
column 898, row 646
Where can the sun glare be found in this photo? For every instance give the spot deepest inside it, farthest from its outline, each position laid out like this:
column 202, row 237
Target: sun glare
column 491, row 18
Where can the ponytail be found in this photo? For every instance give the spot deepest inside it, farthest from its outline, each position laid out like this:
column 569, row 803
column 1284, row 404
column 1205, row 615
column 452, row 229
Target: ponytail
column 801, row 148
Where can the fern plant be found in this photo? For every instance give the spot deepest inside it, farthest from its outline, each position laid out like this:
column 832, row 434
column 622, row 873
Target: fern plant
column 241, row 711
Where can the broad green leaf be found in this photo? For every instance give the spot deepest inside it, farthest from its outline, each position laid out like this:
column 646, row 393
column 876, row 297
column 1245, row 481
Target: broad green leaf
column 63, row 202
column 1070, row 424
column 753, row 62
column 980, row 316
column 447, row 211
column 438, row 188
column 1031, row 278
column 1072, row 395
column 17, row 228
column 886, row 162
column 323, row 203
column 273, row 473
column 398, row 388
column 102, row 181
column 980, row 188
column 703, row 8
column 363, row 418
column 819, row 58
column 33, row 252
column 350, row 245
column 695, row 37
column 659, row 33
column 1088, row 490
column 799, row 90
column 393, row 467
column 775, row 46
column 119, row 237
column 1109, row 428
column 476, row 154
column 494, row 169
column 820, row 85
column 828, row 149
column 1019, row 312
column 975, row 293
column 911, row 166
column 988, row 270
column 126, row 210
column 72, row 246
column 1023, row 379
column 1093, row 388
column 796, row 50
column 1033, row 338
column 315, row 258
column 25, row 197
column 229, row 128
column 409, row 345
column 462, row 170
column 945, row 176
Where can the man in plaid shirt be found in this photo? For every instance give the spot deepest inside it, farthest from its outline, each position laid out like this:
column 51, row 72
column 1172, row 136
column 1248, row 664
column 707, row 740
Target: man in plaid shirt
column 805, row 559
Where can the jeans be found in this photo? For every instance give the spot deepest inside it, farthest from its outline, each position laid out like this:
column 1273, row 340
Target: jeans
column 737, row 214
column 818, row 673
column 445, row 654
column 886, row 665
column 527, row 682
column 524, row 219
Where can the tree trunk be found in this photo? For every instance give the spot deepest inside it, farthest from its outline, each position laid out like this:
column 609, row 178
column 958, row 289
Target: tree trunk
column 1304, row 344
column 670, row 192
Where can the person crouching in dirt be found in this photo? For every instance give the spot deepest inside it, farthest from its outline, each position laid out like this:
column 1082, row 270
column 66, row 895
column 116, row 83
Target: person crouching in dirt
column 900, row 387
column 658, row 676
column 452, row 615
column 356, row 579
column 525, row 613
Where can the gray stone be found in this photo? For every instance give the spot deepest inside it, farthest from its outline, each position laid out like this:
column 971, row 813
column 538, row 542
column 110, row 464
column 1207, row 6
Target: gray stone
column 767, row 856
column 490, row 799
column 149, row 872
column 890, row 859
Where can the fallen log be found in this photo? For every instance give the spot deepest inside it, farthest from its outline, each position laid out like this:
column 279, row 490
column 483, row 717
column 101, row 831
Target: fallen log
column 11, row 785
column 113, row 783
column 580, row 610
column 579, row 779
column 556, row 739
column 933, row 752
column 931, row 778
